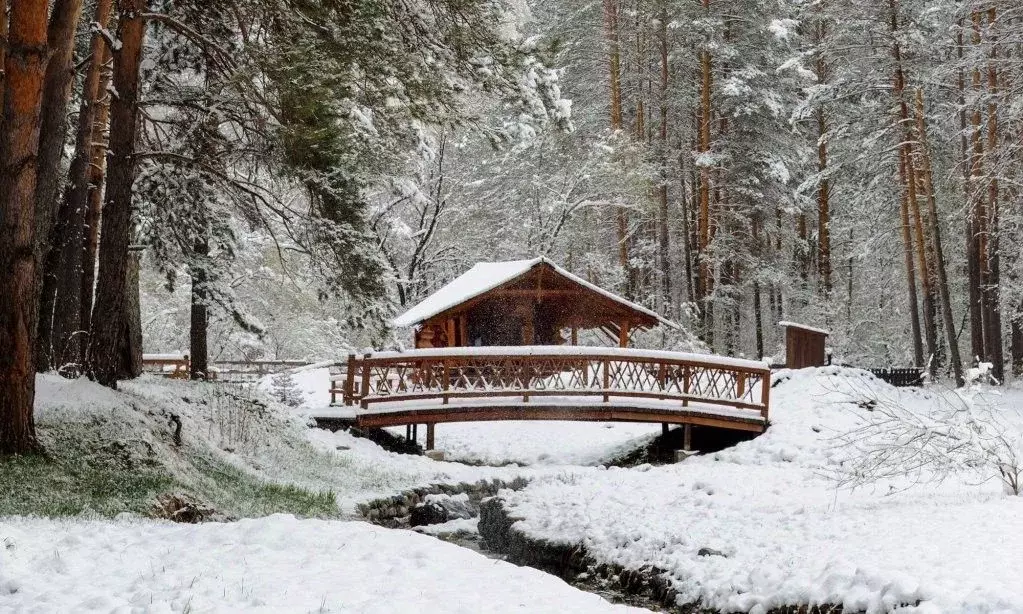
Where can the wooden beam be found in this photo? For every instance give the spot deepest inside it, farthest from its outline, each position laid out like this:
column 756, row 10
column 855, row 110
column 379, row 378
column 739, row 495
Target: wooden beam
column 509, row 292
column 452, row 341
column 623, row 335
column 429, row 435
column 556, row 412
column 575, row 335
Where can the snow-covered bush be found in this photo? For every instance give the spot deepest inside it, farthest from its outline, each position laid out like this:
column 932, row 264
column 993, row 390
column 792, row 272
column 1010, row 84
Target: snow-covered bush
column 953, row 433
column 284, row 388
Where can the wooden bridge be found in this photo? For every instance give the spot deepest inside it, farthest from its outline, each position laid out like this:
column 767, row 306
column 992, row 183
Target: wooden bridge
column 465, row 384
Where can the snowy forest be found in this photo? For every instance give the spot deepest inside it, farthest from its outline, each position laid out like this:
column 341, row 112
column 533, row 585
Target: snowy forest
column 278, row 178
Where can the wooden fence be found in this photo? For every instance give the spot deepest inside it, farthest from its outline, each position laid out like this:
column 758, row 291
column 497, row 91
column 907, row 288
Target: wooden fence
column 223, row 371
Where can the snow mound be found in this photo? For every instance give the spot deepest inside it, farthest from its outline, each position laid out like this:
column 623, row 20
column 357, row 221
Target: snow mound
column 782, row 531
column 273, row 564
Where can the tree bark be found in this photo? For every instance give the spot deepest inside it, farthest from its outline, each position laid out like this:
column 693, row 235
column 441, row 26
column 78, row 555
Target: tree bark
column 53, row 133
column 663, row 246
column 992, row 274
column 907, row 241
column 977, row 217
column 96, row 179
column 703, row 217
column 129, row 353
column 939, row 256
column 824, row 188
column 24, row 68
column 611, row 23
column 62, row 282
column 109, row 325
column 198, row 349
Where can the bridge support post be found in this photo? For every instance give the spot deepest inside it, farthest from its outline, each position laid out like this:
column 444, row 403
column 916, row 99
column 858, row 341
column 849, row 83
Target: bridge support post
column 687, row 437
column 664, row 428
column 429, row 436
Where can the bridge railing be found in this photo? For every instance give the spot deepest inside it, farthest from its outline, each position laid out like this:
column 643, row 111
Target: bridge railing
column 446, row 374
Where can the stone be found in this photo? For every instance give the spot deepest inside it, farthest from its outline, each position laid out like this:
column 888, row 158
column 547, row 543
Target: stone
column 710, row 552
column 681, row 455
column 437, row 455
column 427, row 514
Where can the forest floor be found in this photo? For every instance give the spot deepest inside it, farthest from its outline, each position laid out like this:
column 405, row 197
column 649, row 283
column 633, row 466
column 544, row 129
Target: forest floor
column 756, row 526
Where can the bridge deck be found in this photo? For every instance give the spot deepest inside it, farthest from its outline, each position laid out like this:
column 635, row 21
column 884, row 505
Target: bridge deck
column 548, row 408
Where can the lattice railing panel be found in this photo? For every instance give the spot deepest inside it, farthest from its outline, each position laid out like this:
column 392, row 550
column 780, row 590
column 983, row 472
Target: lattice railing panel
column 461, row 376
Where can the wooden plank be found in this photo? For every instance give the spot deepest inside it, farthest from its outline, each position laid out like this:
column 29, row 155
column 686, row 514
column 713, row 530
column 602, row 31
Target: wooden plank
column 364, row 388
column 765, row 394
column 349, row 395
column 556, row 412
column 595, row 392
column 452, row 340
column 446, row 382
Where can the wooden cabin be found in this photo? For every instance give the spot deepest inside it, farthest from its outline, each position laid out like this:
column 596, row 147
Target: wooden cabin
column 522, row 302
column 804, row 345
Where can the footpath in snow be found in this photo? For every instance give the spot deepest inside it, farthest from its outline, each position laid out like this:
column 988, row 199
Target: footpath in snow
column 774, row 530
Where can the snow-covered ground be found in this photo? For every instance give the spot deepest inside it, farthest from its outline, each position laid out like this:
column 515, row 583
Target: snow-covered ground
column 538, row 443
column 759, row 525
column 774, row 528
column 272, row 564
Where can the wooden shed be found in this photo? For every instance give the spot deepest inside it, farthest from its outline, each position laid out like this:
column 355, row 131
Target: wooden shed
column 522, row 302
column 804, row 345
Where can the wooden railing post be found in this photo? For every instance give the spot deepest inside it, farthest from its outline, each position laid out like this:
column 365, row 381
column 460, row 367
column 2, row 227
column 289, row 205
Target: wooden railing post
column 765, row 392
column 662, row 377
column 349, row 393
column 607, row 378
column 366, row 374
column 445, row 384
column 740, row 384
column 686, row 377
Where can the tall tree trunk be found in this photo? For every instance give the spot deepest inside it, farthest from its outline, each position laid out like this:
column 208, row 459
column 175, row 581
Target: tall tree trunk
column 53, row 133
column 972, row 230
column 911, row 177
column 688, row 203
column 129, row 353
column 199, row 323
column 925, row 263
column 703, row 217
column 611, row 25
column 65, row 264
column 824, row 188
column 907, row 242
column 663, row 246
column 977, row 215
column 96, row 179
column 24, row 70
column 107, row 332
column 948, row 320
column 991, row 276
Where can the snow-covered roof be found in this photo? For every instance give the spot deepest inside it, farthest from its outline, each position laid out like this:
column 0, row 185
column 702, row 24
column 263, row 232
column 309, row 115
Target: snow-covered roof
column 485, row 276
column 812, row 329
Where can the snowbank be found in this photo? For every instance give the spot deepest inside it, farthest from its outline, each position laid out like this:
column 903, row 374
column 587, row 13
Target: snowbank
column 273, row 564
column 786, row 535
